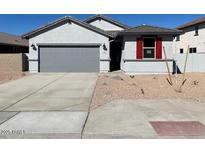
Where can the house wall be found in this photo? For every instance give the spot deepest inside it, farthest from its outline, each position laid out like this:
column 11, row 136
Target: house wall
column 11, row 62
column 69, row 33
column 196, row 61
column 102, row 24
column 130, row 65
column 188, row 38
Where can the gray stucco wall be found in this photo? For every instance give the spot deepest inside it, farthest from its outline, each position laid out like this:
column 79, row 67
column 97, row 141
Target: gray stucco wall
column 69, row 33
column 130, row 66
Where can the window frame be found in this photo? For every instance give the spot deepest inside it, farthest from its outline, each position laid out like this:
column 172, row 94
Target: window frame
column 154, row 38
column 194, row 51
column 191, row 50
column 178, row 38
column 196, row 30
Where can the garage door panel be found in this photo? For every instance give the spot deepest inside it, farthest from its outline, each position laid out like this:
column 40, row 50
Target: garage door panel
column 69, row 59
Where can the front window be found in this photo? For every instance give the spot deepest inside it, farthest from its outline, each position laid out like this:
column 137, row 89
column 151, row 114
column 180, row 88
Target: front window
column 149, row 48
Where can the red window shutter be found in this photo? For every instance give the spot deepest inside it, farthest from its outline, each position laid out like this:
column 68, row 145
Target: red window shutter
column 139, row 45
column 159, row 48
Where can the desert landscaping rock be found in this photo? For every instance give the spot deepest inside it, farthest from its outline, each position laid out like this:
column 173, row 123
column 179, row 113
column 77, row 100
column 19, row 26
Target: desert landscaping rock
column 147, row 87
column 117, row 77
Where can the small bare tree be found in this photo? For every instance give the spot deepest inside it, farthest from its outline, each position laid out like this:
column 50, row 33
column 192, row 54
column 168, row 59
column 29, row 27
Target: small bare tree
column 169, row 79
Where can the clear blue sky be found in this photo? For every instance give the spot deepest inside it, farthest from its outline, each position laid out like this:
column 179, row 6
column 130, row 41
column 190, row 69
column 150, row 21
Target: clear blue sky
column 19, row 24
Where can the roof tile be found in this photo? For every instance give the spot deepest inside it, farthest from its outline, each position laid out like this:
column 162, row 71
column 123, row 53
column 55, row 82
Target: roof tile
column 147, row 29
column 12, row 39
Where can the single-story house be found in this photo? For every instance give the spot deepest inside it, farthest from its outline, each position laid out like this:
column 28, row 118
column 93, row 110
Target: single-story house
column 99, row 44
column 193, row 36
column 12, row 53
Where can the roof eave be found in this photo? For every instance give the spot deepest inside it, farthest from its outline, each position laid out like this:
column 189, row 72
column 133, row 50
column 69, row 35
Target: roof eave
column 65, row 19
column 189, row 25
column 150, row 33
column 33, row 32
column 184, row 27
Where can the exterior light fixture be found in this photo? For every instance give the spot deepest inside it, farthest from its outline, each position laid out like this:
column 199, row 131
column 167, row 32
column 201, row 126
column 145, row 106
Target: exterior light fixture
column 104, row 47
column 34, row 47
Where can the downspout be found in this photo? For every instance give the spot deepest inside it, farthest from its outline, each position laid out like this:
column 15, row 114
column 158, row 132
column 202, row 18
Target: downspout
column 175, row 58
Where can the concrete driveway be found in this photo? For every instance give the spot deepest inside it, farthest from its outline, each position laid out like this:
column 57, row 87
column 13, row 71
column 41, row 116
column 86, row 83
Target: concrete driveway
column 46, row 105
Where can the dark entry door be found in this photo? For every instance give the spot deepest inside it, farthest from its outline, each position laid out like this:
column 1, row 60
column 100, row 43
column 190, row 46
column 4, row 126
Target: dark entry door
column 115, row 55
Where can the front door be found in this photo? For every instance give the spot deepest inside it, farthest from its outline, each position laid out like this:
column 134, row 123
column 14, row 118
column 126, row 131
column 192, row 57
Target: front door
column 115, row 55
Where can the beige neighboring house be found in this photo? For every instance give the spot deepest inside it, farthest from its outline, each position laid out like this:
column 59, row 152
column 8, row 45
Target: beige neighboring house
column 194, row 37
column 12, row 53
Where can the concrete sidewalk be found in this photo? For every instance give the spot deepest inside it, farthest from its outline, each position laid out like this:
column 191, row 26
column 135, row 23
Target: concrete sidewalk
column 46, row 105
column 134, row 119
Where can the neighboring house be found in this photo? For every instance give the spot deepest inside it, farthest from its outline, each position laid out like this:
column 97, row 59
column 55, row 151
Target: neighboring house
column 12, row 53
column 194, row 37
column 99, row 44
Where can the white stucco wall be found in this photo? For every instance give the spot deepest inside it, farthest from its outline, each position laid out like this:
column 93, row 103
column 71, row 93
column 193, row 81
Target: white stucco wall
column 102, row 24
column 188, row 38
column 196, row 61
column 129, row 53
column 69, row 33
column 147, row 67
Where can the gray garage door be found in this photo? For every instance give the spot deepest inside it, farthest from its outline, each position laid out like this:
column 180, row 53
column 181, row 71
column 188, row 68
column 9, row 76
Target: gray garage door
column 69, row 59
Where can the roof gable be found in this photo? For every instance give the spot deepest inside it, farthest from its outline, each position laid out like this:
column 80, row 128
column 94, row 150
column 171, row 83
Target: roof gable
column 150, row 30
column 107, row 19
column 60, row 22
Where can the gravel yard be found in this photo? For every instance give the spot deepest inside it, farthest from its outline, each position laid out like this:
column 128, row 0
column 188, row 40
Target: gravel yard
column 120, row 86
column 8, row 76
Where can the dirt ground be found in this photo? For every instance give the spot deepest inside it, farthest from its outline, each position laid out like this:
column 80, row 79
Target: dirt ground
column 8, row 76
column 121, row 86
